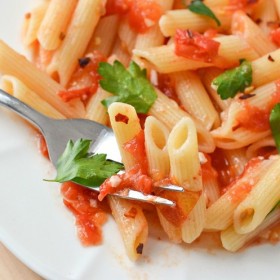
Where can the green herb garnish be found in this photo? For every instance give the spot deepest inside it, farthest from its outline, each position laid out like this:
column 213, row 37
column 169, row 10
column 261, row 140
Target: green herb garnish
column 274, row 120
column 233, row 81
column 198, row 7
column 76, row 164
column 129, row 86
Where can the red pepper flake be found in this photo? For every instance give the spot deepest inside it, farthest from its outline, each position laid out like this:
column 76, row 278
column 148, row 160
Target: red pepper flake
column 28, row 15
column 131, row 213
column 139, row 248
column 62, row 36
column 258, row 21
column 246, row 96
column 270, row 58
column 83, row 62
column 121, row 118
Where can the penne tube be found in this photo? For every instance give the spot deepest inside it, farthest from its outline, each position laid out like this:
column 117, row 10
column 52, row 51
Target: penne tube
column 244, row 26
column 124, row 131
column 266, row 194
column 95, row 110
column 32, row 23
column 16, row 88
column 54, row 25
column 168, row 112
column 12, row 63
column 195, row 99
column 164, row 60
column 101, row 40
column 260, row 147
column 207, row 76
column 233, row 241
column 264, row 14
column 185, row 19
column 183, row 153
column 219, row 215
column 77, row 37
column 156, row 135
column 127, row 36
column 265, row 68
column 133, row 228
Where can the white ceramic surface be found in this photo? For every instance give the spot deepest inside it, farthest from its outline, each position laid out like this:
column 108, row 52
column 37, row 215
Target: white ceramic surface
column 38, row 229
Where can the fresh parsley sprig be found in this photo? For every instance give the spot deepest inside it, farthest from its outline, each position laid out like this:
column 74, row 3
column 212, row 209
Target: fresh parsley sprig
column 233, row 81
column 129, row 86
column 198, row 7
column 76, row 164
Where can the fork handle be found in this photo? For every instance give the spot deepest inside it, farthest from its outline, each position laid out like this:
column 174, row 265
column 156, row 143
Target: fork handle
column 22, row 109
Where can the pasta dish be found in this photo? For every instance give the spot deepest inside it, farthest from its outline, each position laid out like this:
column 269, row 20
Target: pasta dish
column 191, row 90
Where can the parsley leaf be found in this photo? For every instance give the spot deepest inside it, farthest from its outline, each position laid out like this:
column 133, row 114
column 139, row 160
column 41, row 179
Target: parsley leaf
column 129, row 86
column 233, row 81
column 198, row 7
column 81, row 167
column 274, row 120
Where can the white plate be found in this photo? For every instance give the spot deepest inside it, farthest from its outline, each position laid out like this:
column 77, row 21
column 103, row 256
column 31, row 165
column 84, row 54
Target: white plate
column 38, row 229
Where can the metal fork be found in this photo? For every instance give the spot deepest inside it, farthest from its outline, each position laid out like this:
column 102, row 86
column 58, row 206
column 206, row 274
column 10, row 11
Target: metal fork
column 58, row 132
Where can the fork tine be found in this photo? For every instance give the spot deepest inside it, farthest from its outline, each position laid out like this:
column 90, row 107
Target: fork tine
column 138, row 196
column 171, row 187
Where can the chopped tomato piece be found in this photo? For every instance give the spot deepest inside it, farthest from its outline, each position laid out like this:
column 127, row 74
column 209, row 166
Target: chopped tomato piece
column 85, row 80
column 144, row 14
column 207, row 170
column 89, row 214
column 195, row 46
column 275, row 36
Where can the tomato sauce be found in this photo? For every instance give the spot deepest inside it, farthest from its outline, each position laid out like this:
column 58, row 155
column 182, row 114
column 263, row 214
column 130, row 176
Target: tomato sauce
column 225, row 172
column 136, row 147
column 85, row 80
column 166, row 85
column 43, row 146
column 242, row 185
column 275, row 36
column 254, row 118
column 207, row 170
column 90, row 214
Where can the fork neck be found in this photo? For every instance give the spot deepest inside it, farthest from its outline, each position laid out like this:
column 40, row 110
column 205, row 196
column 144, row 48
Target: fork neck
column 22, row 109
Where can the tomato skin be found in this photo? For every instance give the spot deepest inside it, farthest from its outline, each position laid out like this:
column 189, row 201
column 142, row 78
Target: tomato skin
column 141, row 14
column 195, row 46
column 275, row 36
column 144, row 14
